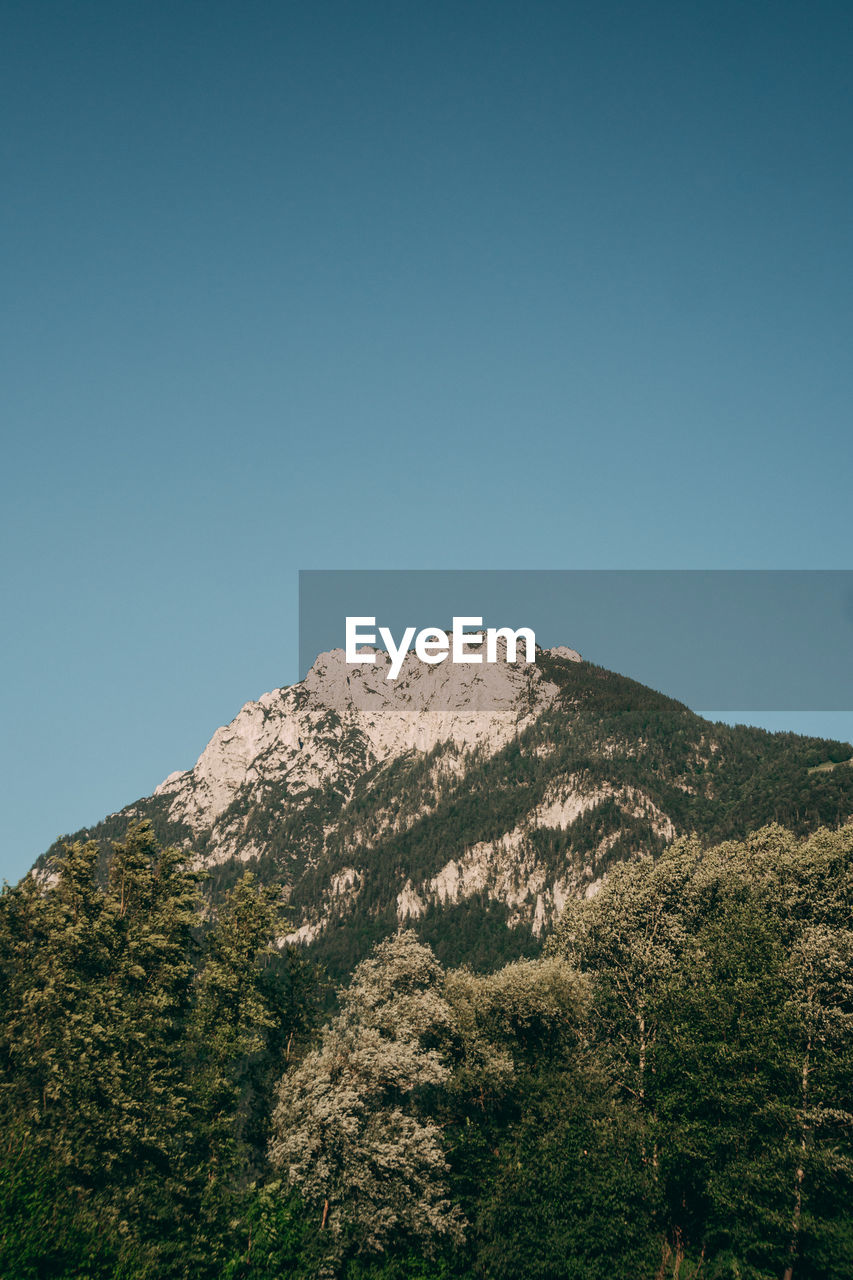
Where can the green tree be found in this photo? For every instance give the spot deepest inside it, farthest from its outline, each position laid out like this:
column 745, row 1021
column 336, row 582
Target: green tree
column 722, row 1005
column 348, row 1131
column 136, row 1051
column 542, row 1147
column 249, row 1002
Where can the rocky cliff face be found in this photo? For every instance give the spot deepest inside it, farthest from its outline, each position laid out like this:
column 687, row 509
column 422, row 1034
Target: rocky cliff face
column 341, row 721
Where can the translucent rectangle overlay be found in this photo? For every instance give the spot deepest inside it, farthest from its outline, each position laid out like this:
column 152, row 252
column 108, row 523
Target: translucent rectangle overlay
column 768, row 640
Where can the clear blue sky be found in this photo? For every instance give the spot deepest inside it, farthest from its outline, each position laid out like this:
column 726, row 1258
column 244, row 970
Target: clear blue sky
column 384, row 285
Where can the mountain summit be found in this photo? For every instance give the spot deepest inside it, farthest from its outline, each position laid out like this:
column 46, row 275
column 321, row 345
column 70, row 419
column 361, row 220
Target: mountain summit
column 341, row 721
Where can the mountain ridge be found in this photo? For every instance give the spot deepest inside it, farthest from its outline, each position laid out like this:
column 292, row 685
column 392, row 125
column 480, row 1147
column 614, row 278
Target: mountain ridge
column 470, row 803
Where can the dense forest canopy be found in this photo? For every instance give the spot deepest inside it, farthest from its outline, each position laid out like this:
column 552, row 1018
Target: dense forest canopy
column 665, row 1090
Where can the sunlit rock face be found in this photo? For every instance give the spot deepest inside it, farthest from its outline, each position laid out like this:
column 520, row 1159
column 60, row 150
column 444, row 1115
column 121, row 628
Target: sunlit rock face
column 343, row 721
column 343, row 717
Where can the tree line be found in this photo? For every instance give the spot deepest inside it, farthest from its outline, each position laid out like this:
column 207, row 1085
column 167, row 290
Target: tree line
column 663, row 1092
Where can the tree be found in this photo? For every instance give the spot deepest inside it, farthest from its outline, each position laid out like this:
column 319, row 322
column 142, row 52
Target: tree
column 136, row 1050
column 723, row 1006
column 97, row 990
column 629, row 938
column 544, row 1155
column 348, row 1131
column 250, row 1000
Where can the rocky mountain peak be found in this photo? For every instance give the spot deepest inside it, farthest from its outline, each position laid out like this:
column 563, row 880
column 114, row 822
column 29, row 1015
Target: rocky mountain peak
column 343, row 718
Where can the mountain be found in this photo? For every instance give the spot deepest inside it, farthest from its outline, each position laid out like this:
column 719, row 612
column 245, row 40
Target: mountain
column 469, row 801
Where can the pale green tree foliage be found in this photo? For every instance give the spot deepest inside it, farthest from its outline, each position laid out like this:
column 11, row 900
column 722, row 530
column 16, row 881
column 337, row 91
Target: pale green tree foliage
column 630, row 935
column 817, row 890
column 527, row 1010
column 348, row 1133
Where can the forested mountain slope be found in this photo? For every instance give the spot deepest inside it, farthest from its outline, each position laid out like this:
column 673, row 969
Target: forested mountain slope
column 470, row 803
